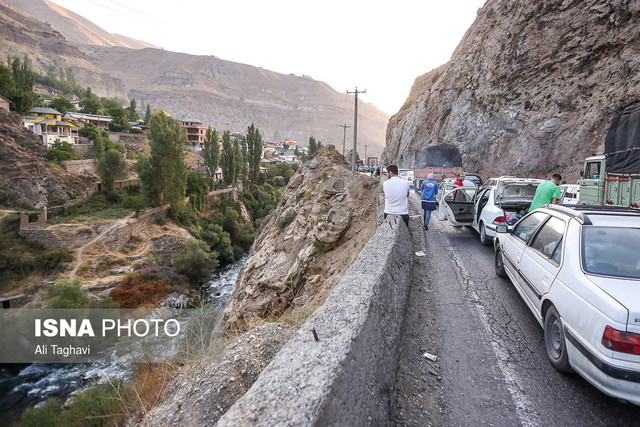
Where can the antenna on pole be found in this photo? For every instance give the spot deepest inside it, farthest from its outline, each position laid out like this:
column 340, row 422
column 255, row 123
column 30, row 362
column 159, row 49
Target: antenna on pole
column 344, row 137
column 355, row 129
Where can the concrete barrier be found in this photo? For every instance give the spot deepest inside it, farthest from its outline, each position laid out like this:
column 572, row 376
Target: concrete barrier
column 348, row 376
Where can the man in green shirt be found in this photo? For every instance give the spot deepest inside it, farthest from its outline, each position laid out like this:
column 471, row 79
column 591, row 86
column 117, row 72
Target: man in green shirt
column 547, row 192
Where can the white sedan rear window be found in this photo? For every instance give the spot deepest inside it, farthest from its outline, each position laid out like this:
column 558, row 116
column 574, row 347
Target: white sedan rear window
column 611, row 251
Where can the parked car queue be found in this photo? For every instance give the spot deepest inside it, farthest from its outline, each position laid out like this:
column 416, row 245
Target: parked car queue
column 575, row 266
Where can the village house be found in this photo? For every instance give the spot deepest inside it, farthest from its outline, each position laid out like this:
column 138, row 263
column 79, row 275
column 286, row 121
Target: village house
column 195, row 132
column 49, row 124
column 99, row 121
column 4, row 103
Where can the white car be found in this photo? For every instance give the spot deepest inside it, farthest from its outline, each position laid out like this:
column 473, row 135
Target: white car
column 446, row 185
column 502, row 200
column 578, row 271
column 570, row 194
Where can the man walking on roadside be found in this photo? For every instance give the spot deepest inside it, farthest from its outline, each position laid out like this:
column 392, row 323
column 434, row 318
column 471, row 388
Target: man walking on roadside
column 547, row 192
column 396, row 195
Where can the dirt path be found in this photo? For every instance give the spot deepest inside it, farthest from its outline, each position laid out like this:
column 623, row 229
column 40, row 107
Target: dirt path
column 80, row 250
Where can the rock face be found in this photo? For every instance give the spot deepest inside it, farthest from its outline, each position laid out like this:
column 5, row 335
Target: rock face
column 530, row 89
column 326, row 215
column 25, row 171
column 200, row 394
column 21, row 34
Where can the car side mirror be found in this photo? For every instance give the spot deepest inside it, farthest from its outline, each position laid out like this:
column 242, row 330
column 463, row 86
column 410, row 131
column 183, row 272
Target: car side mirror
column 502, row 229
column 582, row 172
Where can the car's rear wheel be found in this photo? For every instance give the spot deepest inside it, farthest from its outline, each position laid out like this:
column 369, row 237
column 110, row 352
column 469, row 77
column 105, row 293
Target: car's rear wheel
column 484, row 239
column 499, row 264
column 555, row 341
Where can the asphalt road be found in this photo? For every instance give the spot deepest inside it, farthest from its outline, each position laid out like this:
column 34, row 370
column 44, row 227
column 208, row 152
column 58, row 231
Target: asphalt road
column 492, row 368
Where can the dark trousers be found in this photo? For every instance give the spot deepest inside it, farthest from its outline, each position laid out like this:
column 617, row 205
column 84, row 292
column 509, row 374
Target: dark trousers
column 405, row 218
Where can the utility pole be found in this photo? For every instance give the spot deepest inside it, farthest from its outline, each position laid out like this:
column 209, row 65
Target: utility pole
column 355, row 129
column 365, row 152
column 344, row 137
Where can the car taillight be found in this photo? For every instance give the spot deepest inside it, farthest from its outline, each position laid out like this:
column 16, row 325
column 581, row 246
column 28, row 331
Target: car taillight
column 499, row 220
column 624, row 342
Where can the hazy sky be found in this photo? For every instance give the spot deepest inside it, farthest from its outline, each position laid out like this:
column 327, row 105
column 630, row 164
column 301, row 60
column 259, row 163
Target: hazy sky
column 380, row 46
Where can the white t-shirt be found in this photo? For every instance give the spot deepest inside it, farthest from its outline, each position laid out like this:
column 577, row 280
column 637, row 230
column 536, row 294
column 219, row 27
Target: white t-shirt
column 395, row 196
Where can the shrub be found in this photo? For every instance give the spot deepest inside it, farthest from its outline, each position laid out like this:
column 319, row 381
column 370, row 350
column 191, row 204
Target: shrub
column 135, row 202
column 68, row 294
column 286, row 217
column 197, row 262
column 115, row 197
column 8, row 198
column 137, row 290
column 62, row 150
column 163, row 274
column 54, row 258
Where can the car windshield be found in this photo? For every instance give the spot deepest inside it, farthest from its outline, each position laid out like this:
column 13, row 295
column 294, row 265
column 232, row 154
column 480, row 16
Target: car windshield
column 611, row 251
column 513, row 191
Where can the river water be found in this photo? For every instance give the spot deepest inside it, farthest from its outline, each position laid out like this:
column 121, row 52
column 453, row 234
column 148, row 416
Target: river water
column 22, row 386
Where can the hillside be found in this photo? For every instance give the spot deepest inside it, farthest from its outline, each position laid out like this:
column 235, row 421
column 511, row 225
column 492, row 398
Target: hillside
column 49, row 50
column 25, row 171
column 229, row 95
column 73, row 27
column 529, row 90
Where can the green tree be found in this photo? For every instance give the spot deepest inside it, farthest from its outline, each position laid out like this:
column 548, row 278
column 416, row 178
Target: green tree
column 7, row 85
column 62, row 150
column 62, row 104
column 319, row 146
column 254, row 148
column 147, row 116
column 22, row 98
column 112, row 167
column 218, row 240
column 164, row 172
column 211, row 151
column 119, row 117
column 197, row 190
column 238, row 164
column 226, row 158
column 90, row 103
column 197, row 262
column 133, row 116
column 312, row 146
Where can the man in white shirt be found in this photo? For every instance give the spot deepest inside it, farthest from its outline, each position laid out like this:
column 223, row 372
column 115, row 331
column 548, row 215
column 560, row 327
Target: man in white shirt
column 396, row 195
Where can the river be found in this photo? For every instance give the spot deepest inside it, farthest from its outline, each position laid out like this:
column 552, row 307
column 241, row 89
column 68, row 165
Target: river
column 22, row 386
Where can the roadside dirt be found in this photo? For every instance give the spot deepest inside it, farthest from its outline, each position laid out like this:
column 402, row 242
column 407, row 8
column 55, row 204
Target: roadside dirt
column 419, row 394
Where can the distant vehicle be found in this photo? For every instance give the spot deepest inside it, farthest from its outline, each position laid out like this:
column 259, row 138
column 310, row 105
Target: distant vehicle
column 578, row 271
column 384, row 170
column 490, row 206
column 406, row 174
column 570, row 194
column 474, row 178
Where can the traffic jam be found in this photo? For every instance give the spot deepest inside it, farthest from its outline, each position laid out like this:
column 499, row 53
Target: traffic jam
column 576, row 264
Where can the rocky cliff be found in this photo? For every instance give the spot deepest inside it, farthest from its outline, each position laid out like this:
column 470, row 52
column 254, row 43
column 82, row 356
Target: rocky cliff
column 21, row 34
column 25, row 171
column 325, row 216
column 529, row 90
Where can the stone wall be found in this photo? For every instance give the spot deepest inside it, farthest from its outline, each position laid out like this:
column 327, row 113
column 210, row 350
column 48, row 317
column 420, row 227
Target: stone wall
column 85, row 149
column 125, row 232
column 124, row 137
column 43, row 236
column 79, row 166
column 214, row 196
column 347, row 376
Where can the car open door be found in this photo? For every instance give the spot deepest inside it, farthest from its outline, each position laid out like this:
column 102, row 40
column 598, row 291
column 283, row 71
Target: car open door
column 456, row 205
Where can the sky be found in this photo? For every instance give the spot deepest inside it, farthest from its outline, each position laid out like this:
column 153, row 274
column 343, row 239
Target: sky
column 377, row 46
